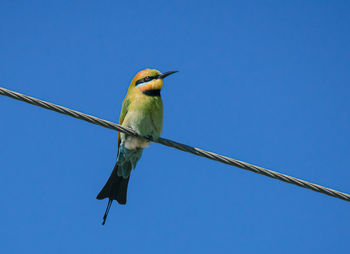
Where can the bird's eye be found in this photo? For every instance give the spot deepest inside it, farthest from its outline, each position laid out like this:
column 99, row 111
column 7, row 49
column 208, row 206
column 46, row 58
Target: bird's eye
column 147, row 78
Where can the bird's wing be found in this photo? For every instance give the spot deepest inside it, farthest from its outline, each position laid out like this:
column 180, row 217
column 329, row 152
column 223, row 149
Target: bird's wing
column 123, row 113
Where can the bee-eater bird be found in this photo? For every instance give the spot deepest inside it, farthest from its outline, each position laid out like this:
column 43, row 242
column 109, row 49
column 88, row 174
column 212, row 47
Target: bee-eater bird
column 142, row 111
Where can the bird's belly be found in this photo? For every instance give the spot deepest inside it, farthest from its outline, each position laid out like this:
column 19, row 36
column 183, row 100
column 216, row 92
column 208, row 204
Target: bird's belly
column 132, row 142
column 144, row 125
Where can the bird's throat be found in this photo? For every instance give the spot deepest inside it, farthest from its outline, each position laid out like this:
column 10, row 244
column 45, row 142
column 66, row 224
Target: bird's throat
column 152, row 92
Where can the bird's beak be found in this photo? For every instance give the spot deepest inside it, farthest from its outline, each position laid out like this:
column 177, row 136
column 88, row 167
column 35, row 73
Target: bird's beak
column 166, row 74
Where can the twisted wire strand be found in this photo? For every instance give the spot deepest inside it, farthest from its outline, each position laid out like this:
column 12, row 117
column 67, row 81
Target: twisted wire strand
column 176, row 145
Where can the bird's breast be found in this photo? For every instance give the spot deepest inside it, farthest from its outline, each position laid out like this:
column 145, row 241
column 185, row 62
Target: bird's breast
column 146, row 120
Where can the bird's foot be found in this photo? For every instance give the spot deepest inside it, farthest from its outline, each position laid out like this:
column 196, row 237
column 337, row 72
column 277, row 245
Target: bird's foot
column 149, row 137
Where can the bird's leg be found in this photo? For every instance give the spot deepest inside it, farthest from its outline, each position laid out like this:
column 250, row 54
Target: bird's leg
column 149, row 137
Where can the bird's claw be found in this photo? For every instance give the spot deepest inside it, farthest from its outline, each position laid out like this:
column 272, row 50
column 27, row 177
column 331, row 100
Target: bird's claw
column 149, row 137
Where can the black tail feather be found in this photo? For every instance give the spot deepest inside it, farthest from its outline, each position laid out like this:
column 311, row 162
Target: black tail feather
column 107, row 211
column 115, row 189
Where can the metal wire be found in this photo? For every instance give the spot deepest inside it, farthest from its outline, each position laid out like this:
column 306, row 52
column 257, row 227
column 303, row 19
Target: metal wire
column 176, row 145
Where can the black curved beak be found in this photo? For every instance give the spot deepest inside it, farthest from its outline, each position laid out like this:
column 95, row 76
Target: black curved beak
column 166, row 74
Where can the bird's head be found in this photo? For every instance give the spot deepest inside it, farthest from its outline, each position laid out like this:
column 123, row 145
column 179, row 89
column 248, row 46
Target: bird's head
column 149, row 81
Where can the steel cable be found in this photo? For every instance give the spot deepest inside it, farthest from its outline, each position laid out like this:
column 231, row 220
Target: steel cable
column 176, row 145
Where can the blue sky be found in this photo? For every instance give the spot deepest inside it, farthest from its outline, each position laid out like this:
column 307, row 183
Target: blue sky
column 263, row 82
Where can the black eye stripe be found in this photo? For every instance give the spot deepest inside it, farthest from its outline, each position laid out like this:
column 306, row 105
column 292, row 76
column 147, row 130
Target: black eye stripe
column 145, row 79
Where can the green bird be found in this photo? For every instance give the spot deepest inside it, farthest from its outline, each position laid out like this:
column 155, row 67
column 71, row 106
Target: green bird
column 142, row 111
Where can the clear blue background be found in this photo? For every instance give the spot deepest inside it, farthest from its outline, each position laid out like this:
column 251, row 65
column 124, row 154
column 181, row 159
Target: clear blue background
column 263, row 82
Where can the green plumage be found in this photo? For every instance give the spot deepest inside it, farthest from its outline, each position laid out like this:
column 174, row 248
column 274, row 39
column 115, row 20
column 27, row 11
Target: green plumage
column 142, row 111
column 144, row 114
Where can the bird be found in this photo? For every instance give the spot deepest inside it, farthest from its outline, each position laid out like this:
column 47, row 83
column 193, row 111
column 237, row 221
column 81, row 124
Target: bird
column 142, row 111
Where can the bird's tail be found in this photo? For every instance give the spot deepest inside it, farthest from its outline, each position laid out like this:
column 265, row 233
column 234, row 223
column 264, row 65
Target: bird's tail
column 115, row 189
column 117, row 185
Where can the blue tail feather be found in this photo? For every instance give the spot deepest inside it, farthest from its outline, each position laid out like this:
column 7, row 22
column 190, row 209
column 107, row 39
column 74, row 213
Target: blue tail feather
column 117, row 184
column 127, row 160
